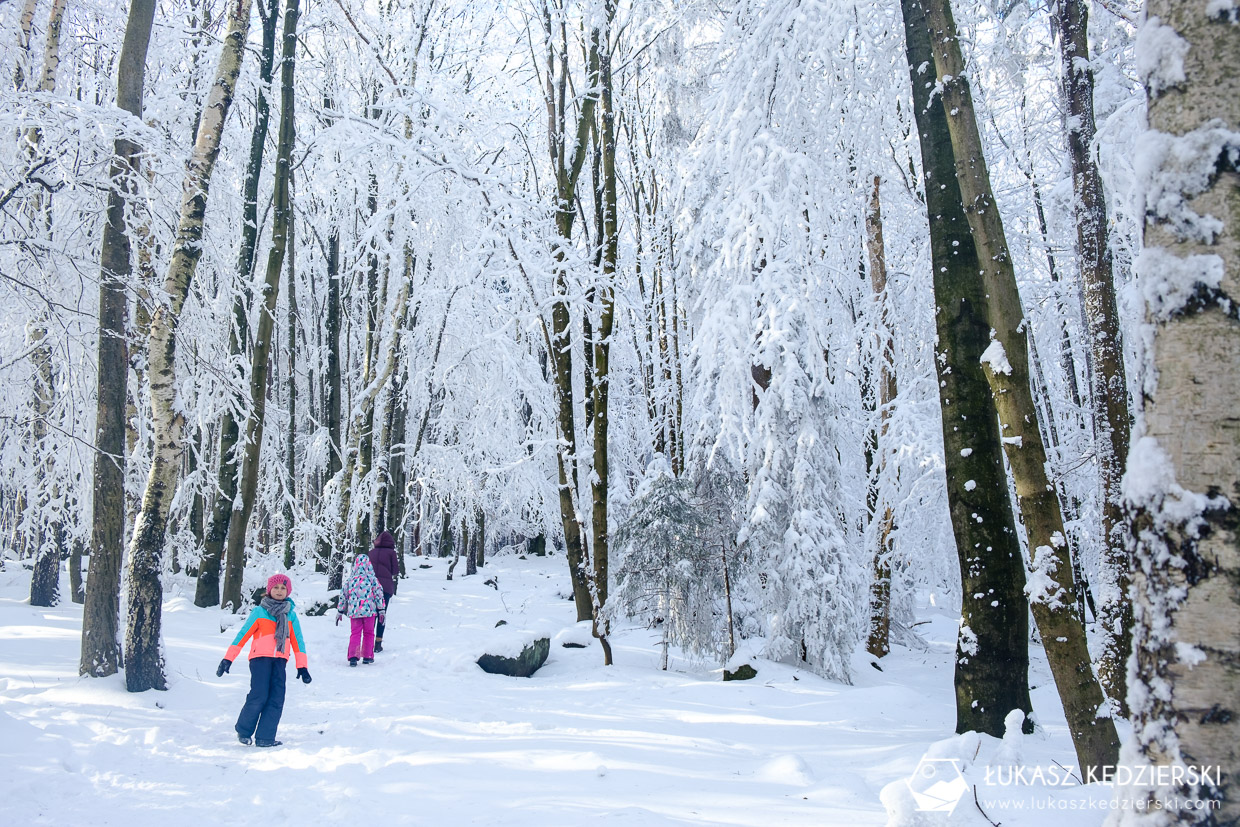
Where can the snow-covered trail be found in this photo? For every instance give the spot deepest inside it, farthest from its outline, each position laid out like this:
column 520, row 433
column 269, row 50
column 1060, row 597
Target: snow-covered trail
column 423, row 736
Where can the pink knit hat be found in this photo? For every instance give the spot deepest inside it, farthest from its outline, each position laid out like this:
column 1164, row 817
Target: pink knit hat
column 279, row 580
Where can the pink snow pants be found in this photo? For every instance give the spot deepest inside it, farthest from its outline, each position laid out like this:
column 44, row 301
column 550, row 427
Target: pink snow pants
column 362, row 637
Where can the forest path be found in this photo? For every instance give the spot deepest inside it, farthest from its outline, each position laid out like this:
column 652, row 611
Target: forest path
column 423, row 736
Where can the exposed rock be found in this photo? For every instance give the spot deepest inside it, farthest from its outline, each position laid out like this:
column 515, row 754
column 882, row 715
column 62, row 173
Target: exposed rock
column 533, row 656
column 744, row 672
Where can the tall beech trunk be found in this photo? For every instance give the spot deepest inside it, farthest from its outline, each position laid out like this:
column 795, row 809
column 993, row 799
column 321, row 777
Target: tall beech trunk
column 1183, row 484
column 333, row 392
column 378, row 376
column 290, row 448
column 234, row 552
column 363, row 458
column 567, row 172
column 143, row 661
column 602, row 342
column 992, row 650
column 1108, row 379
column 101, row 651
column 207, row 590
column 394, row 509
column 1053, row 589
column 878, row 640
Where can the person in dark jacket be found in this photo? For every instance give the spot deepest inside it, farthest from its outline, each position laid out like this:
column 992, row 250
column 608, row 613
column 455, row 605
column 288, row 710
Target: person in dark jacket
column 387, row 568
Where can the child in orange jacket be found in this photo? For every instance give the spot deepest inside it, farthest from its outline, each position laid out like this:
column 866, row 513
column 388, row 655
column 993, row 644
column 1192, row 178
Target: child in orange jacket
column 274, row 633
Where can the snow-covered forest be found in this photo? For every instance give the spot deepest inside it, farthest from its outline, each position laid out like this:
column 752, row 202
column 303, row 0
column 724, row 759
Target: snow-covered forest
column 762, row 328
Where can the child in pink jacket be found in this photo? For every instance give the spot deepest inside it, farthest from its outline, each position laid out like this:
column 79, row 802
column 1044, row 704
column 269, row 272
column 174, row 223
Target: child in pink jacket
column 361, row 600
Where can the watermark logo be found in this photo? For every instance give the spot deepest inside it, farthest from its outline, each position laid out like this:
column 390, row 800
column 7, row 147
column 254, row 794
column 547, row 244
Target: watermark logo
column 937, row 785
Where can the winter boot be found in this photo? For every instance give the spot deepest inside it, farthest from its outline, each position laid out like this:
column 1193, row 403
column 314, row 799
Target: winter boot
column 352, row 661
column 245, row 739
column 263, row 743
column 368, row 660
column 378, row 644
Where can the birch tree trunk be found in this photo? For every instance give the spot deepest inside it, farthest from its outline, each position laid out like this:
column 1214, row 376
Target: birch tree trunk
column 143, row 660
column 23, row 57
column 992, row 654
column 101, row 651
column 1183, row 482
column 234, row 560
column 1052, row 587
column 207, row 590
column 1108, row 379
column 45, row 580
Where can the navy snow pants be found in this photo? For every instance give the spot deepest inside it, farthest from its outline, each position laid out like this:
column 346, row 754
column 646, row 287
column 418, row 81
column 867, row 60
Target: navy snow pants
column 260, row 717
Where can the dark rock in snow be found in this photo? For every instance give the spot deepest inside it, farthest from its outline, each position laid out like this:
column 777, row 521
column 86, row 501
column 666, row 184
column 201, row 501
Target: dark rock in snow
column 744, row 672
column 533, row 656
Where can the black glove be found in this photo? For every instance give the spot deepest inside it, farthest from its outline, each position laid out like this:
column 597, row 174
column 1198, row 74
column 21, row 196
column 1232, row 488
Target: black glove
column 222, row 668
column 304, row 674
column 338, row 617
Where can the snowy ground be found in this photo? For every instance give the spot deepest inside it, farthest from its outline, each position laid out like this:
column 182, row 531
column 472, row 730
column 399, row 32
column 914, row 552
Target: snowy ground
column 425, row 737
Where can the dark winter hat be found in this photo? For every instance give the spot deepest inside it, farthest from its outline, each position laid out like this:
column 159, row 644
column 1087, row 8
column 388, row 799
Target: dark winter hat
column 384, row 540
column 279, row 580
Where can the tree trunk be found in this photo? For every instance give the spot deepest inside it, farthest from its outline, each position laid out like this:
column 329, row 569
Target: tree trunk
column 77, row 588
column 207, row 591
column 101, row 652
column 992, row 657
column 45, row 580
column 290, row 448
column 334, row 390
column 23, row 57
column 143, row 660
column 470, row 538
column 482, row 538
column 49, row 533
column 567, row 172
column 1183, row 482
column 878, row 640
column 1108, row 379
column 234, row 554
column 1053, row 590
column 395, row 509
column 602, row 343
column 362, row 459
column 363, row 405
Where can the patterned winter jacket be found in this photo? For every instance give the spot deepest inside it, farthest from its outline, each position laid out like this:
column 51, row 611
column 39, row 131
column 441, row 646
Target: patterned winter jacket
column 260, row 630
column 362, row 595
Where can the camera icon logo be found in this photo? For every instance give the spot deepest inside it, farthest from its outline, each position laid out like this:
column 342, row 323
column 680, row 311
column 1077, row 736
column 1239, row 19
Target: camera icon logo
column 937, row 785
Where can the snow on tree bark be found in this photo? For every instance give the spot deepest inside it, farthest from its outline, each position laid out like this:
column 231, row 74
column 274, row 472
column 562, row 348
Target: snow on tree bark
column 992, row 650
column 1182, row 486
column 143, row 658
column 234, row 550
column 207, row 590
column 1108, row 381
column 101, row 651
column 1052, row 586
